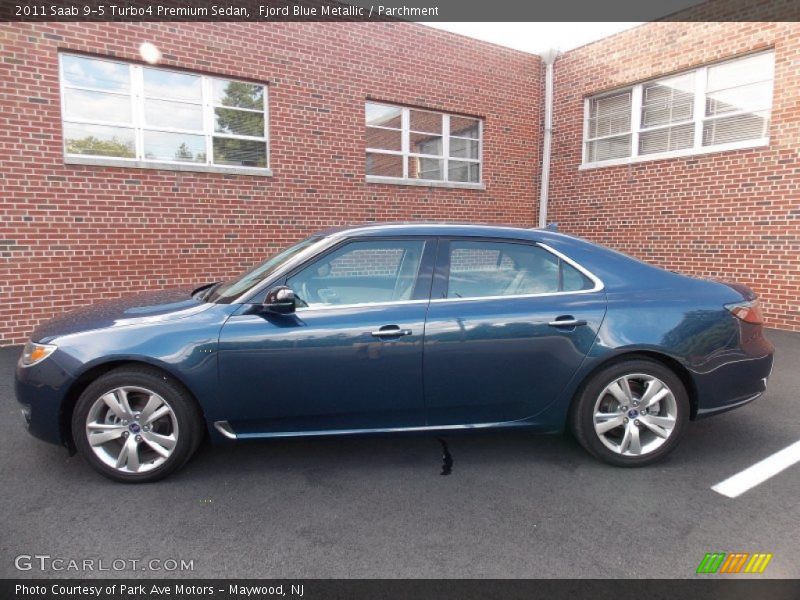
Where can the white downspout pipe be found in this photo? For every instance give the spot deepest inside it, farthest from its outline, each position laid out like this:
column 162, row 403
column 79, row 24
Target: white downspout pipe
column 549, row 58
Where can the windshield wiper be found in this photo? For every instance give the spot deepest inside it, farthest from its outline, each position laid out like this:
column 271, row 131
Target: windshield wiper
column 203, row 291
column 211, row 290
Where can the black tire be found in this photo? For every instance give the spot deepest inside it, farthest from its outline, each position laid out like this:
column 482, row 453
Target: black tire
column 582, row 413
column 191, row 429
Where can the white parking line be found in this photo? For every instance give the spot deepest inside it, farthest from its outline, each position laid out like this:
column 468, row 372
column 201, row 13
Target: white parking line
column 738, row 484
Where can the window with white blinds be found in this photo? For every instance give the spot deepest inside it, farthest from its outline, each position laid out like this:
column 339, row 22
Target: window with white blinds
column 716, row 107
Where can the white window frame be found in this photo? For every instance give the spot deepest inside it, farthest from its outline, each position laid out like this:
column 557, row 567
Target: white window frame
column 405, row 151
column 698, row 118
column 139, row 127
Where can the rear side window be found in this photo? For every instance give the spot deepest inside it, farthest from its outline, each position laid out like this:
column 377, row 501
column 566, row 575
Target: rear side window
column 480, row 269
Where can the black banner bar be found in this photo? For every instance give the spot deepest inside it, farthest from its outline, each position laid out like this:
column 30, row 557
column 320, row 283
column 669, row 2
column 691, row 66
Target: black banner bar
column 387, row 10
column 709, row 588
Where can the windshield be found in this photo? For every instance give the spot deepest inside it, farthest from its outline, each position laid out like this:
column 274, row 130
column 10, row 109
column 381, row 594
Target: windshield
column 234, row 288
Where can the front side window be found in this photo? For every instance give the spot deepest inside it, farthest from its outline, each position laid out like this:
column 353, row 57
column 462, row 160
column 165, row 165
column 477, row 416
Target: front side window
column 480, row 269
column 130, row 112
column 360, row 273
column 716, row 107
column 422, row 145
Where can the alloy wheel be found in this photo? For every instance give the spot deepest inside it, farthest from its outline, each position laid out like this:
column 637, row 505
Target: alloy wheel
column 132, row 429
column 635, row 414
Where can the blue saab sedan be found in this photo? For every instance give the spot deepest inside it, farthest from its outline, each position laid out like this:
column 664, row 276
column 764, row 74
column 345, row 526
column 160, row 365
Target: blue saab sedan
column 399, row 328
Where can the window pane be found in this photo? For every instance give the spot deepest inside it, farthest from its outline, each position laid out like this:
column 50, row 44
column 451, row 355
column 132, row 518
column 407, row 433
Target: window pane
column 753, row 97
column 171, row 84
column 175, row 115
column 95, row 73
column 607, row 149
column 425, row 168
column 383, row 115
column 97, row 106
column 668, row 138
column 99, row 140
column 424, row 121
column 384, row 139
column 463, row 171
column 610, row 115
column 384, row 165
column 461, row 148
column 573, row 280
column 360, row 272
column 668, row 101
column 481, row 269
column 424, row 143
column 240, row 153
column 239, row 122
column 238, row 94
column 160, row 145
column 465, row 127
column 750, row 126
column 424, row 157
column 742, row 71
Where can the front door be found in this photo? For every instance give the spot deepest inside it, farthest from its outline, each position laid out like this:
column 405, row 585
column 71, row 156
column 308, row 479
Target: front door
column 494, row 350
column 349, row 358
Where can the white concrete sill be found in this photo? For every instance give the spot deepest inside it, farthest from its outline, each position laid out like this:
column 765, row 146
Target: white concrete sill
column 143, row 164
column 688, row 152
column 423, row 183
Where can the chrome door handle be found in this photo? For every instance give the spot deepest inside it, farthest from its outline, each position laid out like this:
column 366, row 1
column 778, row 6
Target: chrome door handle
column 391, row 331
column 567, row 322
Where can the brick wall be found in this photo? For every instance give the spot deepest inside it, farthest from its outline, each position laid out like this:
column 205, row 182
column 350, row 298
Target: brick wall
column 70, row 235
column 729, row 215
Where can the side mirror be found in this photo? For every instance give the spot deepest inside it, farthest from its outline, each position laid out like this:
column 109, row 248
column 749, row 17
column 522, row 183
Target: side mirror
column 280, row 300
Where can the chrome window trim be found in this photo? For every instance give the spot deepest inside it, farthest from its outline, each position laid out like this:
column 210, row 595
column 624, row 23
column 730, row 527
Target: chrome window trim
column 327, row 242
column 598, row 283
column 360, row 305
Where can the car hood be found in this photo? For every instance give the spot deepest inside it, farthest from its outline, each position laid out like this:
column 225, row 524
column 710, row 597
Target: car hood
column 161, row 305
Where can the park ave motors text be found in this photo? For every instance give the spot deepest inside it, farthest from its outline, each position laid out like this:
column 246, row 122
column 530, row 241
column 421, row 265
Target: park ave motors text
column 166, row 590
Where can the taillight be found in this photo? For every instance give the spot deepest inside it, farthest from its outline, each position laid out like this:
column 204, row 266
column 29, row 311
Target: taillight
column 749, row 312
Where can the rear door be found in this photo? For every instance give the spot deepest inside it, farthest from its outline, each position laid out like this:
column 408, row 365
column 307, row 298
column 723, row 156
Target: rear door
column 508, row 325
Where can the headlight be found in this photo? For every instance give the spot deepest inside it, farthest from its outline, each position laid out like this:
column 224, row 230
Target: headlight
column 34, row 353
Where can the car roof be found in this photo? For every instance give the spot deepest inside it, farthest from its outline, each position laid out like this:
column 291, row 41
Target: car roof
column 441, row 228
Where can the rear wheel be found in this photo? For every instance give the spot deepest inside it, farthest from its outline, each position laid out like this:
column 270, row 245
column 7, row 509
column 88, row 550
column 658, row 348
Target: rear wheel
column 631, row 413
column 136, row 425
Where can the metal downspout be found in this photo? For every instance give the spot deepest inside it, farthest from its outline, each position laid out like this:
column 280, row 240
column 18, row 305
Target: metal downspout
column 549, row 58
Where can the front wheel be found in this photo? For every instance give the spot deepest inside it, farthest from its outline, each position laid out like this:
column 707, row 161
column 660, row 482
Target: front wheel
column 136, row 425
column 631, row 413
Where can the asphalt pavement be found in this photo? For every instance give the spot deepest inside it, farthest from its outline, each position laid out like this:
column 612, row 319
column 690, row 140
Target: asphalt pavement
column 512, row 505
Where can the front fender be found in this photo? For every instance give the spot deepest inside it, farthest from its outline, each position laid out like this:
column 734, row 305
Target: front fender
column 186, row 349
